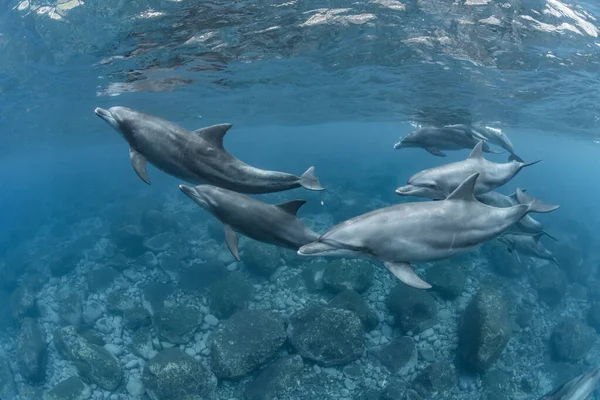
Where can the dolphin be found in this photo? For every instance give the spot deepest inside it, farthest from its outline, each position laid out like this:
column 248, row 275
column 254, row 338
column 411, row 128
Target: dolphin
column 436, row 139
column 527, row 224
column 528, row 245
column 437, row 183
column 273, row 224
column 497, row 137
column 196, row 157
column 578, row 388
column 422, row 231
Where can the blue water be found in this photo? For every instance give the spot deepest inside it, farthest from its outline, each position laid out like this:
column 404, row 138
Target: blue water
column 332, row 84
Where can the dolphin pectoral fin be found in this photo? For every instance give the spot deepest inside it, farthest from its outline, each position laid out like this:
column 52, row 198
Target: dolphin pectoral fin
column 214, row 134
column 405, row 273
column 435, row 151
column 138, row 162
column 292, row 206
column 516, row 253
column 232, row 241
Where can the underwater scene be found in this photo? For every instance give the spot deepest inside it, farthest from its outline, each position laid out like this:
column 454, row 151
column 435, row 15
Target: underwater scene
column 298, row 200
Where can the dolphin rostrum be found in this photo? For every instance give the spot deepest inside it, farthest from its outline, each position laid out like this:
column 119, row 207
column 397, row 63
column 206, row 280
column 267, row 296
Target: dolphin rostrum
column 196, row 157
column 527, row 224
column 273, row 224
column 422, row 231
column 527, row 245
column 436, row 139
column 438, row 182
column 578, row 388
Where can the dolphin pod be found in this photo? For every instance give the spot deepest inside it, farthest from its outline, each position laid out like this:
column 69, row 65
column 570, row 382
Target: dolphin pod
column 273, row 224
column 438, row 182
column 422, row 231
column 528, row 245
column 196, row 157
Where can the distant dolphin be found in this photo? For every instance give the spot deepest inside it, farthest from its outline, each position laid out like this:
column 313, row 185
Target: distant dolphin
column 527, row 245
column 497, row 137
column 421, row 231
column 435, row 139
column 273, row 224
column 578, row 388
column 437, row 183
column 196, row 157
column 527, row 224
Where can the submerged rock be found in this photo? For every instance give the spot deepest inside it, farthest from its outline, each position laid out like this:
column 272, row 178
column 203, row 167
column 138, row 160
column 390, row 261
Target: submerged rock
column 328, row 336
column 100, row 279
column 201, row 276
column 92, row 361
column 260, row 258
column 8, row 388
column 484, row 330
column 22, row 302
column 572, row 340
column 352, row 301
column 503, row 262
column 313, row 276
column 230, row 295
column 92, row 311
column 341, row 275
column 154, row 295
column 414, row 309
column 129, row 239
column 275, row 381
column 136, row 317
column 32, row 352
column 436, row 379
column 447, row 279
column 399, row 355
column 179, row 319
column 244, row 342
column 593, row 316
column 141, row 343
column 118, row 302
column 70, row 389
column 174, row 375
column 69, row 306
column 64, row 264
column 550, row 283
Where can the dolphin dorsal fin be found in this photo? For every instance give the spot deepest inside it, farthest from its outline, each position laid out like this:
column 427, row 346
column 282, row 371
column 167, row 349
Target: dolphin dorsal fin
column 466, row 190
column 214, row 134
column 292, row 206
column 477, row 150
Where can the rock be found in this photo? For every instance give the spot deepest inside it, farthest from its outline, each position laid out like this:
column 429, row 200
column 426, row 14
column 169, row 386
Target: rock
column 446, row 279
column 497, row 382
column 313, row 276
column 275, row 381
column 22, row 303
column 171, row 265
column 523, row 318
column 154, row 222
column 550, row 282
column 64, row 264
column 92, row 361
column 119, row 301
column 174, row 375
column 399, row 355
column 230, row 295
column 160, row 242
column 70, row 389
column 244, row 342
column 141, row 343
column 154, row 295
column 129, row 240
column 355, row 275
column 436, row 379
column 119, row 262
column 98, row 280
column 136, row 317
column 352, row 301
column 200, row 277
column 572, row 340
column 92, row 311
column 503, row 262
column 8, row 388
column 90, row 335
column 328, row 336
column 593, row 316
column 484, row 330
column 260, row 258
column 69, row 306
column 135, row 387
column 413, row 309
column 179, row 319
column 569, row 257
column 395, row 390
column 32, row 352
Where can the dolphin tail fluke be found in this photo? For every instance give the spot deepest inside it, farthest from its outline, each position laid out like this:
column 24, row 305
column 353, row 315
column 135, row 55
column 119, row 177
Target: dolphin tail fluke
column 309, row 180
column 534, row 204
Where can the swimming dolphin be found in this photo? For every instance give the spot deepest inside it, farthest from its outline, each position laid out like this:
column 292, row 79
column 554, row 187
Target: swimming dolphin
column 421, row 231
column 578, row 388
column 437, row 183
column 436, row 139
column 527, row 224
column 273, row 224
column 497, row 137
column 528, row 245
column 196, row 157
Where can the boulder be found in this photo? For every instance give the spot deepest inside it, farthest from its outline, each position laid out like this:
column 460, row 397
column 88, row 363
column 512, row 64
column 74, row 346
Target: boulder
column 550, row 282
column 436, row 380
column 414, row 310
column 399, row 355
column 230, row 295
column 260, row 258
column 446, row 279
column 341, row 275
column 179, row 319
column 136, row 317
column 70, row 389
column 32, row 351
column 275, row 381
column 352, row 301
column 572, row 340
